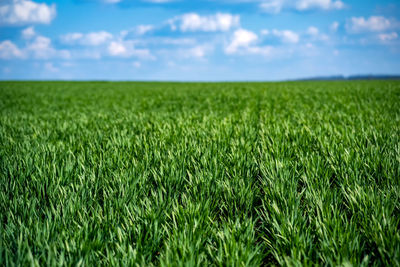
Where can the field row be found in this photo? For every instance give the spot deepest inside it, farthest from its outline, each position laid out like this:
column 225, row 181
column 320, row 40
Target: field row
column 196, row 174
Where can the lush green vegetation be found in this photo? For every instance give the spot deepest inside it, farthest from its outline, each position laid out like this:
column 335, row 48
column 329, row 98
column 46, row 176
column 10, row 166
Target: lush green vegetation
column 226, row 174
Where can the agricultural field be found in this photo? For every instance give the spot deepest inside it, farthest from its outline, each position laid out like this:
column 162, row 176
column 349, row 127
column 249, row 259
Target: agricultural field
column 200, row 174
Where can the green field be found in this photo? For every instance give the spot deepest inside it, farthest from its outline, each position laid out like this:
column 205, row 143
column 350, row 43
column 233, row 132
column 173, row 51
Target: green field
column 198, row 174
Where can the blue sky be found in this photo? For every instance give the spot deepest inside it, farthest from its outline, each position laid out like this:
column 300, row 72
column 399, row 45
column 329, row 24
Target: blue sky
column 211, row 40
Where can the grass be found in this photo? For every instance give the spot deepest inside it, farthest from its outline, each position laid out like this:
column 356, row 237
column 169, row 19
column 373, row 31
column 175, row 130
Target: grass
column 197, row 174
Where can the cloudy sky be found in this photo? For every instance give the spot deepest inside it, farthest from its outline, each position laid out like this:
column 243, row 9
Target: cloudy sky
column 197, row 39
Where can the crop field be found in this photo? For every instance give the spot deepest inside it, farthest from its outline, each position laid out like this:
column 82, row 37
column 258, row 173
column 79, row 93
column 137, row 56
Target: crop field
column 200, row 174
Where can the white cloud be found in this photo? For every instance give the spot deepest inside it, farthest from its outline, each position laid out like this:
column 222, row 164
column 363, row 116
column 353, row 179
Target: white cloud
column 187, row 50
column 71, row 38
column 372, row 24
column 176, row 41
column 259, row 50
column 28, row 33
column 286, row 36
column 96, row 38
column 117, row 49
column 196, row 52
column 313, row 31
column 272, row 6
column 42, row 48
column 199, row 51
column 20, row 12
column 136, row 31
column 334, row 26
column 386, row 37
column 39, row 47
column 276, row 6
column 9, row 50
column 143, row 29
column 241, row 39
column 127, row 49
column 245, row 42
column 315, row 34
column 319, row 4
column 160, row 41
column 309, row 45
column 111, row 1
column 194, row 22
column 90, row 39
column 50, row 67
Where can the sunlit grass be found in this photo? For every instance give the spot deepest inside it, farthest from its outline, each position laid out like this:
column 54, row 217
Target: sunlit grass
column 227, row 174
